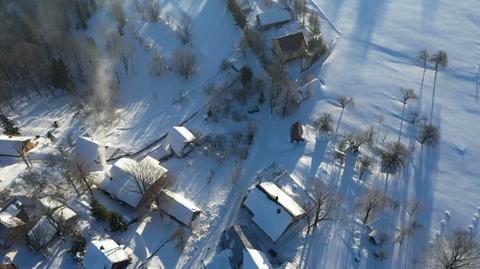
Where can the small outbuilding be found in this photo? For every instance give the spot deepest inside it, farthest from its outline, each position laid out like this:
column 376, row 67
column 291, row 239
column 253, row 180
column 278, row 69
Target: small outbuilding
column 16, row 146
column 106, row 254
column 181, row 141
column 60, row 213
column 178, row 207
column 122, row 185
column 272, row 209
column 273, row 18
column 89, row 152
column 290, row 46
column 296, row 133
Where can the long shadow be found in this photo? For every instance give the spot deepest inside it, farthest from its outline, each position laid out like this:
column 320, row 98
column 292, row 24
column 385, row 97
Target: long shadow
column 318, row 154
column 370, row 14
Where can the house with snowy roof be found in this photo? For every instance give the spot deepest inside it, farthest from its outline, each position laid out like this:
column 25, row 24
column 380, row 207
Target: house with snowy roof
column 272, row 210
column 273, row 18
column 290, row 46
column 106, row 254
column 180, row 140
column 58, row 212
column 122, row 185
column 16, row 146
column 178, row 207
column 244, row 252
column 17, row 216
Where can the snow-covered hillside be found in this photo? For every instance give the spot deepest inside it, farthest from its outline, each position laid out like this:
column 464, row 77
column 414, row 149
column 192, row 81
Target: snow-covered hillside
column 373, row 46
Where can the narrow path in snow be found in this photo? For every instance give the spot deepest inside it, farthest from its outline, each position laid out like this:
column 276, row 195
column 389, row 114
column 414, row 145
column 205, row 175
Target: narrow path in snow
column 194, row 257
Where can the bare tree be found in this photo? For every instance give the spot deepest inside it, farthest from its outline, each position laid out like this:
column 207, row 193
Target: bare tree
column 145, row 175
column 440, row 61
column 327, row 202
column 413, row 207
column 364, row 163
column 184, row 62
column 407, row 94
column 157, row 65
column 393, row 158
column 324, row 124
column 456, row 250
column 429, row 135
column 406, row 231
column 153, row 9
column 185, row 29
column 372, row 203
column 345, row 102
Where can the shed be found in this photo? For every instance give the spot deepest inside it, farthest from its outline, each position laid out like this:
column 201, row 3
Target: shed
column 178, row 207
column 290, row 46
column 42, row 233
column 16, row 146
column 89, row 152
column 120, row 184
column 273, row 18
column 181, row 140
column 107, row 254
column 244, row 253
column 273, row 210
column 296, row 132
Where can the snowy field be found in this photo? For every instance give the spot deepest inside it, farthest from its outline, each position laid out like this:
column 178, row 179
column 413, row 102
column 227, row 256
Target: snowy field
column 374, row 55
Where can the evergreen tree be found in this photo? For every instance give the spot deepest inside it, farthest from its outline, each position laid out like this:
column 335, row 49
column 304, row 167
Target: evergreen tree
column 237, row 13
column 60, row 76
column 8, row 127
column 82, row 17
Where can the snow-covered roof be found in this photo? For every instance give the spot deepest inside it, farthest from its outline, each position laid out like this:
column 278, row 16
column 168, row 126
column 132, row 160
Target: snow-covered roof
column 273, row 210
column 178, row 138
column 238, row 63
column 103, row 254
column 9, row 221
column 89, row 150
column 282, row 198
column 179, row 207
column 61, row 213
column 255, row 259
column 274, row 16
column 8, row 216
column 11, row 145
column 43, row 231
column 120, row 184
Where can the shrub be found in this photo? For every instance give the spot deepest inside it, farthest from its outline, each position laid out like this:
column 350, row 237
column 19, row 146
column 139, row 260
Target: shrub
column 429, row 135
column 247, row 75
column 99, row 211
column 116, row 222
column 237, row 13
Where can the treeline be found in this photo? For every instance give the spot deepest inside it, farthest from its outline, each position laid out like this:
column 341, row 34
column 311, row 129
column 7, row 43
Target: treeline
column 38, row 53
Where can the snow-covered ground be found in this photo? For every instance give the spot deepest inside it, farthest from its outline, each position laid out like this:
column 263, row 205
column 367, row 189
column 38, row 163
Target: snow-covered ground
column 372, row 58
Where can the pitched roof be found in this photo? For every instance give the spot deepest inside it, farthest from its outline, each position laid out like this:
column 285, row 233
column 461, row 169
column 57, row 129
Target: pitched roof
column 291, row 42
column 273, row 210
column 274, row 16
column 104, row 253
column 179, row 207
column 178, row 138
column 120, row 184
column 43, row 231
